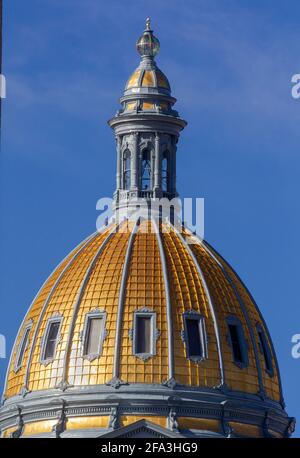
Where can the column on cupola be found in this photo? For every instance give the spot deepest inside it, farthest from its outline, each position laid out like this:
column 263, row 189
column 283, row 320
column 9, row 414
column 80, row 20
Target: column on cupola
column 157, row 163
column 173, row 166
column 140, row 160
column 134, row 162
column 151, row 148
column 119, row 162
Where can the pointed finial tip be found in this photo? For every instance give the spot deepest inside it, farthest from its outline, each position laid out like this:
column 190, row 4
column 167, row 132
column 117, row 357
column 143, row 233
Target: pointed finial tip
column 148, row 23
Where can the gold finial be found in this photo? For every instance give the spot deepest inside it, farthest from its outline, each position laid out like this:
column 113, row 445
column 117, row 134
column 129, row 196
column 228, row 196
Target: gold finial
column 147, row 45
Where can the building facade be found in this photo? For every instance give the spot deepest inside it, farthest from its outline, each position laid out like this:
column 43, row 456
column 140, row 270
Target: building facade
column 144, row 330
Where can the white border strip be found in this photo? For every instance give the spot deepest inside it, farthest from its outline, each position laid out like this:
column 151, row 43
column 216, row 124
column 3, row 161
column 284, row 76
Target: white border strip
column 121, row 305
column 168, row 304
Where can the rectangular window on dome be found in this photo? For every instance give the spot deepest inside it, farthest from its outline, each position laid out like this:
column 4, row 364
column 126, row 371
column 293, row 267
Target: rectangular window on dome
column 22, row 348
column 144, row 334
column 237, row 341
column 92, row 341
column 50, row 340
column 93, row 334
column 194, row 336
column 265, row 350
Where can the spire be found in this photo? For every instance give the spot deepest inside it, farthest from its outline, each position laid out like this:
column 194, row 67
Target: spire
column 148, row 24
column 147, row 130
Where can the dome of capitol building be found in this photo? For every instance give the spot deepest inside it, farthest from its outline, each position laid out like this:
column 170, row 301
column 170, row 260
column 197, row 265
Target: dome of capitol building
column 144, row 330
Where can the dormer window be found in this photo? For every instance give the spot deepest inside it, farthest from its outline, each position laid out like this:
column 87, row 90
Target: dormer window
column 144, row 334
column 237, row 341
column 22, row 348
column 265, row 350
column 94, row 334
column 51, row 339
column 194, row 336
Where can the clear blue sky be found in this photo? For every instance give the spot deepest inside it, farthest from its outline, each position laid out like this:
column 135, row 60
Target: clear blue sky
column 229, row 63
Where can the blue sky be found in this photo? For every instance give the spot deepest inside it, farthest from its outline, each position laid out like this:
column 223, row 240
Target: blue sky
column 230, row 65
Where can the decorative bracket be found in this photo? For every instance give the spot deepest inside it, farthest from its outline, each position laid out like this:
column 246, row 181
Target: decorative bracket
column 63, row 385
column 20, row 426
column 60, row 426
column 227, row 430
column 113, row 422
column 115, row 382
column 130, row 333
column 182, row 335
column 24, row 391
column 223, row 387
column 170, row 383
column 262, row 394
column 172, row 420
column 291, row 427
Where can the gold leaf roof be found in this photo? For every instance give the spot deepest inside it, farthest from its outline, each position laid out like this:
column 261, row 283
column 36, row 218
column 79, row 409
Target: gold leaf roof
column 148, row 78
column 90, row 278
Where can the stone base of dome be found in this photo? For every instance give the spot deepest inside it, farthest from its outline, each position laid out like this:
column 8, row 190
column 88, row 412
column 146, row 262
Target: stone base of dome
column 97, row 411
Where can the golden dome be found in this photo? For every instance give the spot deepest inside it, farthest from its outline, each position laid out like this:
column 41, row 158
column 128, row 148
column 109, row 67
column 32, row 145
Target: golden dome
column 137, row 270
column 148, row 78
column 139, row 331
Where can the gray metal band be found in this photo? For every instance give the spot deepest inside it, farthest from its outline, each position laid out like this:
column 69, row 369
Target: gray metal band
column 145, row 400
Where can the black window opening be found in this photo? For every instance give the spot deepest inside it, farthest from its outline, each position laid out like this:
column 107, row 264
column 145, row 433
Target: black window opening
column 22, row 348
column 265, row 349
column 93, row 336
column 146, row 170
column 127, row 170
column 195, row 337
column 165, row 177
column 143, row 334
column 51, row 340
column 238, row 343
